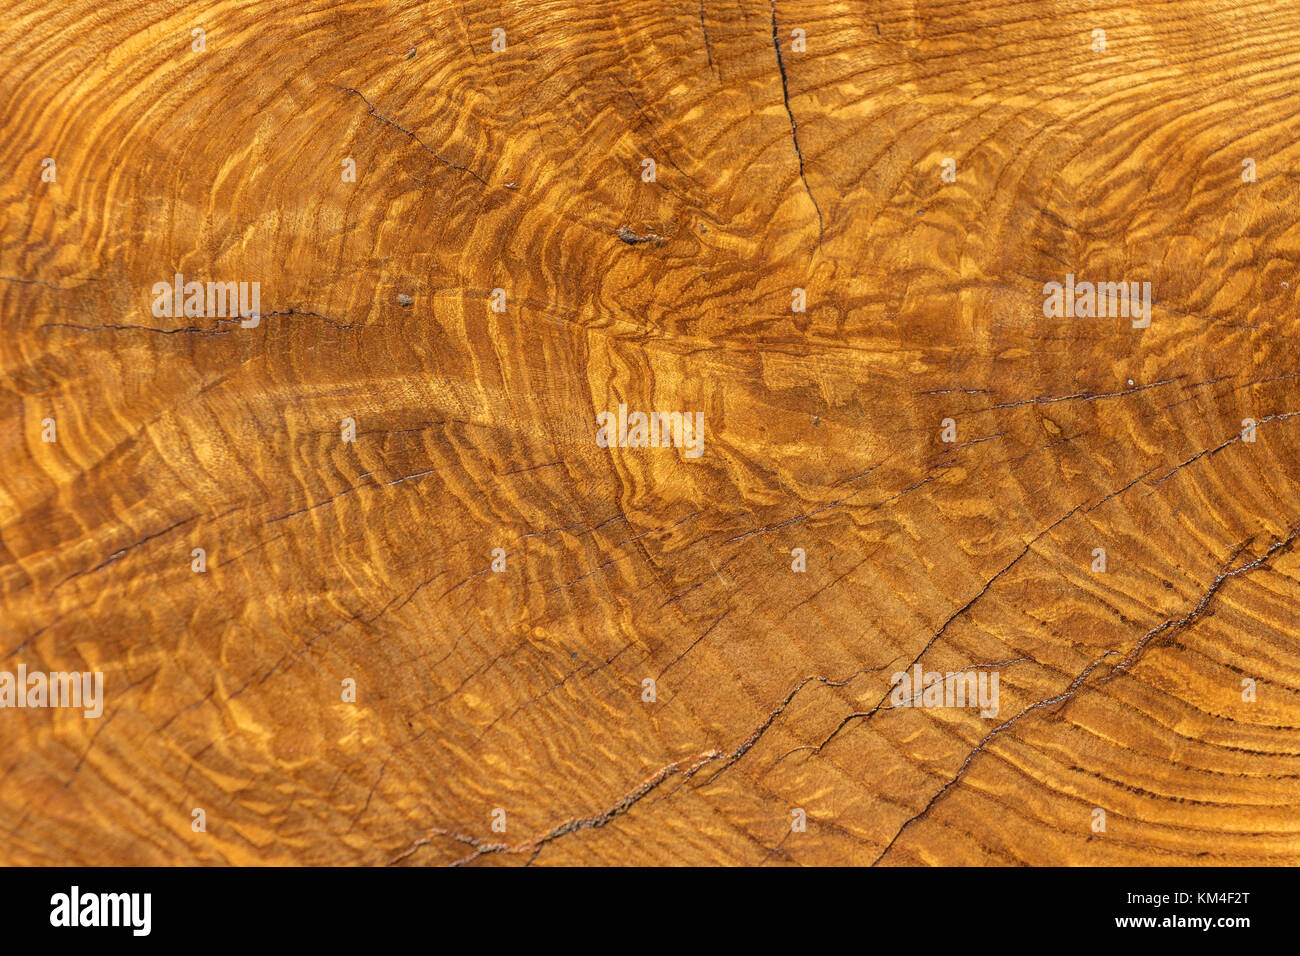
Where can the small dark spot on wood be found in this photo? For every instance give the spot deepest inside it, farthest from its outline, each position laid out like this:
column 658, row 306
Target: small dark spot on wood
column 632, row 239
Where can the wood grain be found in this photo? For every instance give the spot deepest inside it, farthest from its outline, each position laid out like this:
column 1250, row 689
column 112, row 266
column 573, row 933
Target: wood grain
column 776, row 169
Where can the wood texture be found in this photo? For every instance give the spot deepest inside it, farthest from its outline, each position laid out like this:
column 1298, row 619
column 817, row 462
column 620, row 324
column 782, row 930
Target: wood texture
column 521, row 170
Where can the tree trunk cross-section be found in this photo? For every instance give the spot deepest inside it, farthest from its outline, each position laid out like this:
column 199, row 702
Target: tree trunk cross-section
column 443, row 614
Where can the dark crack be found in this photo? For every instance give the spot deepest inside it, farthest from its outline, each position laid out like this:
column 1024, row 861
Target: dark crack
column 116, row 555
column 708, row 50
column 868, row 714
column 794, row 126
column 1169, row 626
column 979, row 748
column 41, row 282
column 421, row 143
column 693, row 765
column 595, row 821
column 1079, row 396
column 1211, row 452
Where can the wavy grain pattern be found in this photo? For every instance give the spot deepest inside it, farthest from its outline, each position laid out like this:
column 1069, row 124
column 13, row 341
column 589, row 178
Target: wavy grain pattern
column 521, row 170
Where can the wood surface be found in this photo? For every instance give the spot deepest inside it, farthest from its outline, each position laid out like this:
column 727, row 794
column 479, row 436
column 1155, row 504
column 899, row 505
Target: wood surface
column 522, row 690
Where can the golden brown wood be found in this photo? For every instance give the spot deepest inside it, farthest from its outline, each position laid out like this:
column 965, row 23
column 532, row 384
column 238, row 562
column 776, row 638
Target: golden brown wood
column 521, row 170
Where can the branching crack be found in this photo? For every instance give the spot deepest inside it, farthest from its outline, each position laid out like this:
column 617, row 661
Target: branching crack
column 687, row 768
column 868, row 714
column 979, row 748
column 1196, row 613
column 592, row 822
column 794, row 126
